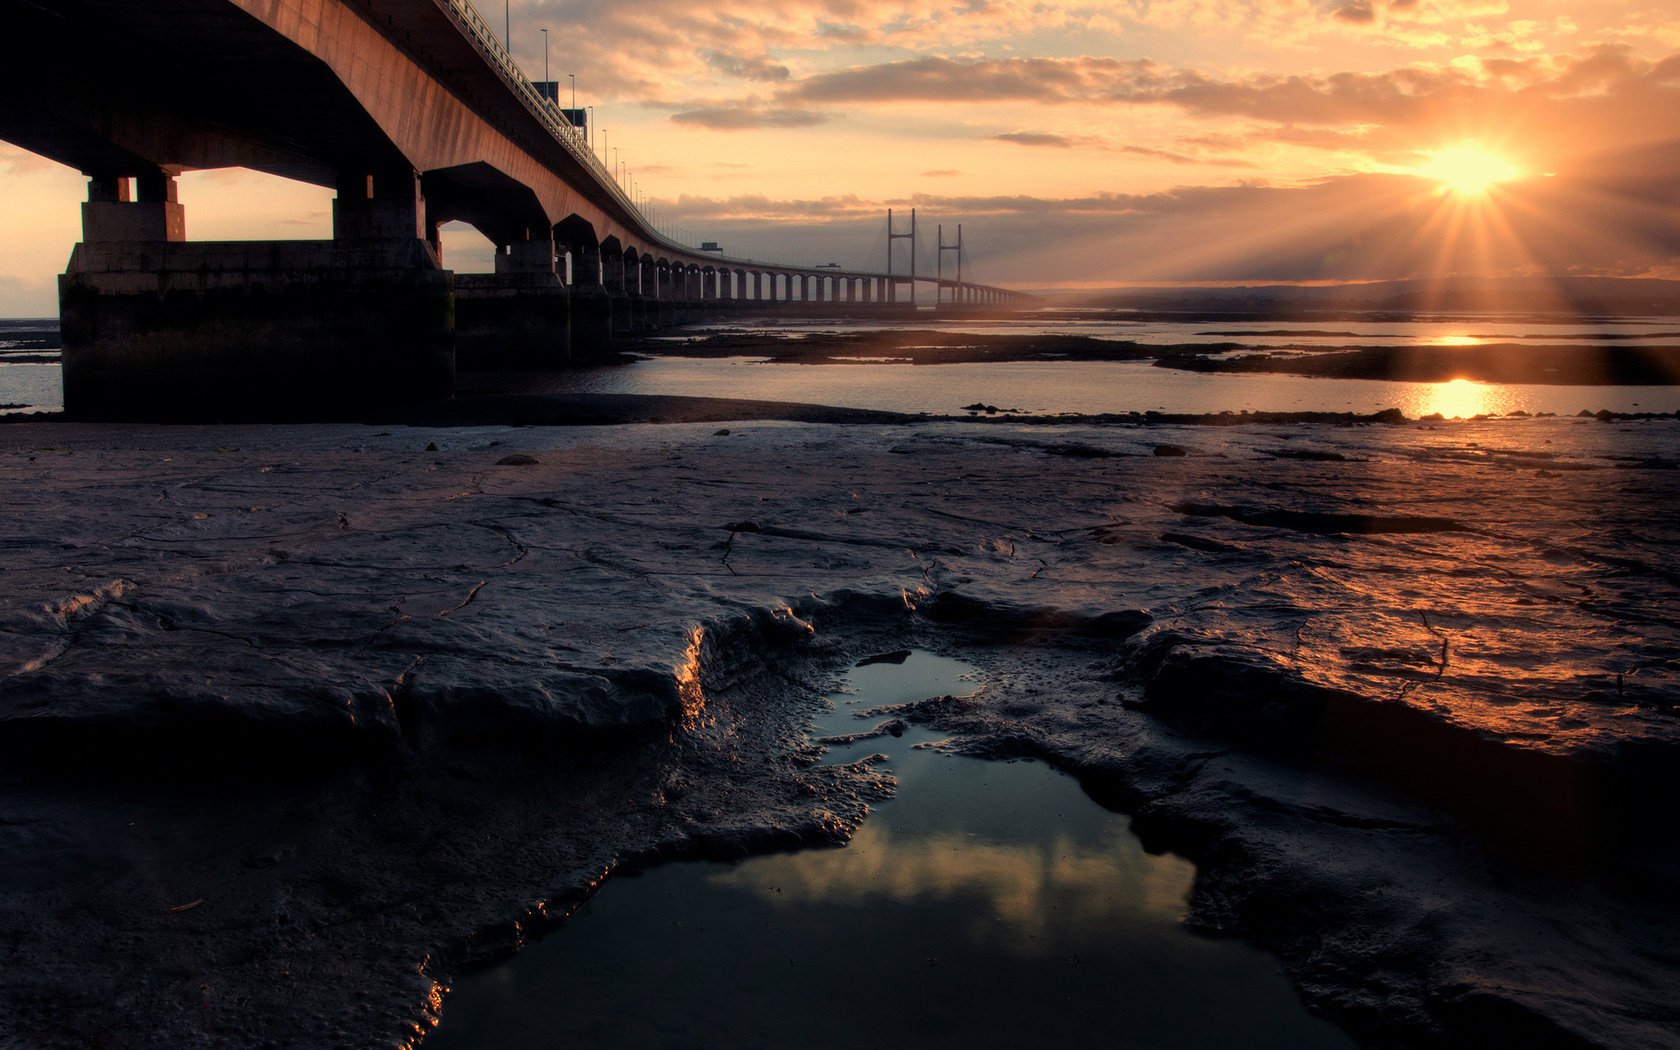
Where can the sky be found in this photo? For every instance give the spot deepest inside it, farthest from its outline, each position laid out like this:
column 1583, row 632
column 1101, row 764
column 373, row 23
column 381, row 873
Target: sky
column 1078, row 144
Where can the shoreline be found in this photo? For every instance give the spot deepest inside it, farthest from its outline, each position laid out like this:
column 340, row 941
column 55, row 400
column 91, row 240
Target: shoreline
column 1557, row 364
column 603, row 409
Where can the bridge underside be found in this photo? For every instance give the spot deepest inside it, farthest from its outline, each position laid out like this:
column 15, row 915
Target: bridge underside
column 397, row 106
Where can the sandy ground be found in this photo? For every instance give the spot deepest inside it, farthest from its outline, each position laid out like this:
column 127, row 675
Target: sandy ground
column 299, row 721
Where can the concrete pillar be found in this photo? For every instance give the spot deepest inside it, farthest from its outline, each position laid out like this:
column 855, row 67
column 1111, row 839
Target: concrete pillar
column 533, row 255
column 518, row 316
column 612, row 273
column 591, row 302
column 586, row 266
column 381, row 206
column 111, row 213
column 156, row 326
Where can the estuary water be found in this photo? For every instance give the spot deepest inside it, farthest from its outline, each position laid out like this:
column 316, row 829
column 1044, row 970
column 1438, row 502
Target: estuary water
column 30, row 373
column 1048, row 387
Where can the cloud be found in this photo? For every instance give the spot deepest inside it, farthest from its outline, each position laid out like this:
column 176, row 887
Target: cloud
column 1359, row 12
column 941, row 173
column 17, row 162
column 1180, row 158
column 759, row 67
column 1612, row 214
column 741, row 118
column 935, row 78
column 1034, row 138
column 1093, row 142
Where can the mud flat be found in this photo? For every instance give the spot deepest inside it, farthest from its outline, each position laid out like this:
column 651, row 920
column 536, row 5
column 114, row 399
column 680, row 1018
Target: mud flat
column 299, row 724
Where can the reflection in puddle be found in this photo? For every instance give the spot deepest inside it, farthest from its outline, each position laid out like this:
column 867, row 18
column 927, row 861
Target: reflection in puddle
column 989, row 904
column 1030, row 898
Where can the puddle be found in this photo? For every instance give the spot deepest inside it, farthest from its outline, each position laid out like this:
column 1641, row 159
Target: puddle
column 988, row 904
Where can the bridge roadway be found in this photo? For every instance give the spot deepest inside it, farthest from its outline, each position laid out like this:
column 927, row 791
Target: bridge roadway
column 414, row 113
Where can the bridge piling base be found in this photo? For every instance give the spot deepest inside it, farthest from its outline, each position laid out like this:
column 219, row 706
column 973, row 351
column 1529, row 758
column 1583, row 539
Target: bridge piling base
column 592, row 322
column 252, row 330
column 511, row 320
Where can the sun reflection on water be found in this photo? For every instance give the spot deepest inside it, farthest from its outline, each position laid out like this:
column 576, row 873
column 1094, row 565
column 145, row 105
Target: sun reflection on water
column 1460, row 399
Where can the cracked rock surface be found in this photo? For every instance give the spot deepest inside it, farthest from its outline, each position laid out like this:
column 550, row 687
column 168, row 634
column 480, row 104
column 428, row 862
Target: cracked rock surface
column 297, row 722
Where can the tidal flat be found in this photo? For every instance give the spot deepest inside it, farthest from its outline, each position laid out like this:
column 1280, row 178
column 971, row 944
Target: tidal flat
column 301, row 724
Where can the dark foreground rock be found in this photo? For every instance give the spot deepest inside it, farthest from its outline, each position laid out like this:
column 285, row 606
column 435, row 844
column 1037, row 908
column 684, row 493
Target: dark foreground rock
column 295, row 724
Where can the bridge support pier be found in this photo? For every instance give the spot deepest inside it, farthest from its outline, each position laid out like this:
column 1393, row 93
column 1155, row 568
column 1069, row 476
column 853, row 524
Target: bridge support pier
column 156, row 326
column 517, row 316
column 591, row 302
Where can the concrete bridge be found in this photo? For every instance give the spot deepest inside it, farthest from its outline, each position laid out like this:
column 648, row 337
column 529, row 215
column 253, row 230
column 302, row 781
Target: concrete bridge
column 415, row 114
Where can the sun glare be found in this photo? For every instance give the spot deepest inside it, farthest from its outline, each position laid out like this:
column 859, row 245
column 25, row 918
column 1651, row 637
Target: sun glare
column 1468, row 170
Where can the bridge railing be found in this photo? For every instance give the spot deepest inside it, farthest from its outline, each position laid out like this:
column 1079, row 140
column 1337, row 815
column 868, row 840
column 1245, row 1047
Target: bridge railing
column 565, row 132
column 572, row 139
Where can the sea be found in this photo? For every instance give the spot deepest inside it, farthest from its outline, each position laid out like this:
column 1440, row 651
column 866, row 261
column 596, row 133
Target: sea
column 30, row 371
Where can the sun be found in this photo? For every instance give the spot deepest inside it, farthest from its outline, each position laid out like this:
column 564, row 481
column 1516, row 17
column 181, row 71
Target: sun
column 1468, row 170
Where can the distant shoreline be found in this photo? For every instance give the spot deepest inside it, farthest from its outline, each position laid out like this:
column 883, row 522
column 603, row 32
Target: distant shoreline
column 1549, row 364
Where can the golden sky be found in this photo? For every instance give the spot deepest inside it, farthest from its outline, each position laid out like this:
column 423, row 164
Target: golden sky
column 1080, row 144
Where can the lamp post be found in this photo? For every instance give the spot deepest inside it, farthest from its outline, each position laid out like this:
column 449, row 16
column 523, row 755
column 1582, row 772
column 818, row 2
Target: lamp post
column 507, row 25
column 591, row 128
column 545, row 61
column 573, row 78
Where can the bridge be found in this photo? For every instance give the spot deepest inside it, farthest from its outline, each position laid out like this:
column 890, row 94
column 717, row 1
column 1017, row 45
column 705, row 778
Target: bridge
column 415, row 114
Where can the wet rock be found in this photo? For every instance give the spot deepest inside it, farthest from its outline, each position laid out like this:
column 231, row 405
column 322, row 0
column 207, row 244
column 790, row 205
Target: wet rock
column 1171, row 450
column 996, row 616
column 1321, row 523
column 517, row 459
column 1199, row 543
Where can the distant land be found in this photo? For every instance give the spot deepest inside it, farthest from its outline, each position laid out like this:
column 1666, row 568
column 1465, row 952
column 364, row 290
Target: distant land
column 1582, row 296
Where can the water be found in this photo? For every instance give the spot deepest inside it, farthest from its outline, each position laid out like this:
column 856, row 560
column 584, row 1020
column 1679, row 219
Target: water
column 30, row 377
column 1051, row 387
column 1466, row 331
column 988, row 904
